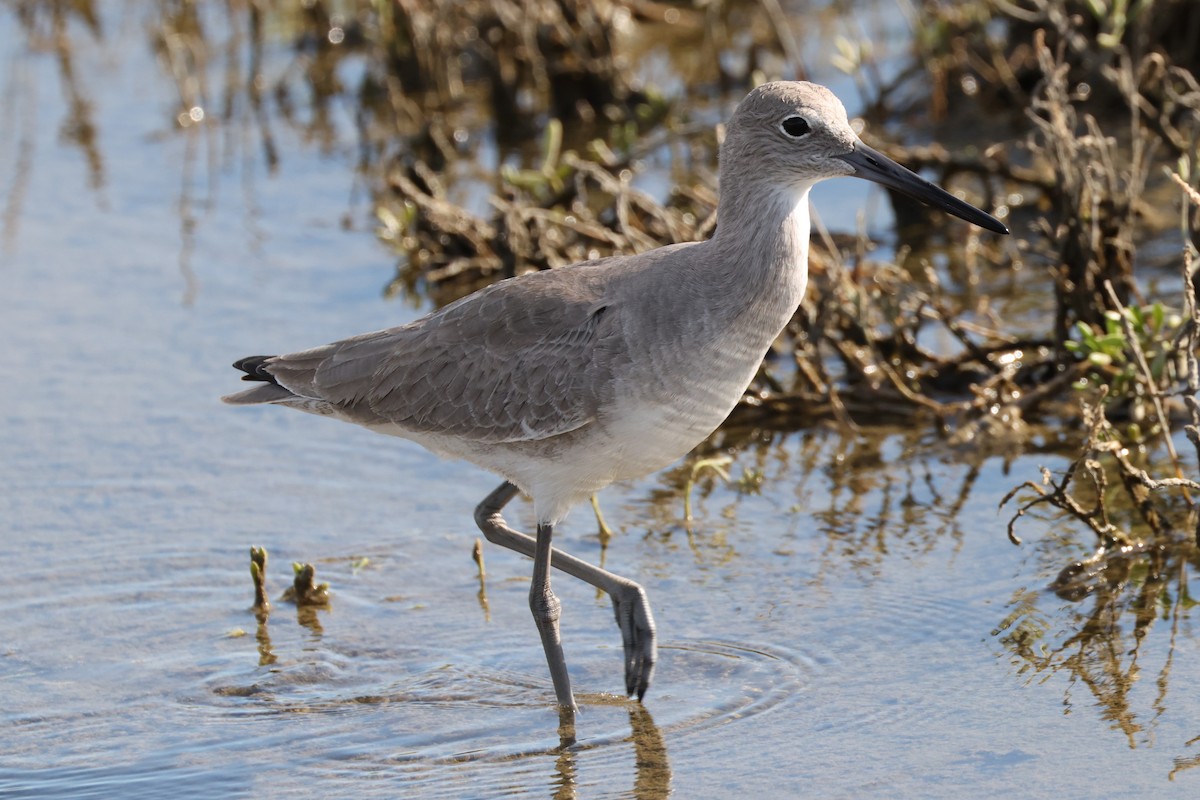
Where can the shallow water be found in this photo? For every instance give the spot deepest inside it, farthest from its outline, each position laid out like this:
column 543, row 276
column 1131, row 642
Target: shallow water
column 845, row 633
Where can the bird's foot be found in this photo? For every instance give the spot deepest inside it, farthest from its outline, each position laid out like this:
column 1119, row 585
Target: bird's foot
column 632, row 610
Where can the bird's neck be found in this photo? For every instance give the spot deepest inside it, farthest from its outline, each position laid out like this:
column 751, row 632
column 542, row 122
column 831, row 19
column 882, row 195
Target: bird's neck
column 762, row 242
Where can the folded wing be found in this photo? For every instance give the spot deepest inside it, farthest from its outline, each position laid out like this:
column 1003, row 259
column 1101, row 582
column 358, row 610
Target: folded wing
column 518, row 361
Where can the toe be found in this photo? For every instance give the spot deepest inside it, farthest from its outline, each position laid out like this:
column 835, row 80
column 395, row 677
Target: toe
column 639, row 639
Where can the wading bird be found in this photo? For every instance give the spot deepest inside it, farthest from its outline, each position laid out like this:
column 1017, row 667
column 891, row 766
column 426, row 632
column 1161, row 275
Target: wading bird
column 566, row 380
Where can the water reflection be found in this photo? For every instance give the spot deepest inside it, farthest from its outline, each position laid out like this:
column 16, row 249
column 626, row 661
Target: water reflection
column 899, row 494
column 49, row 27
column 262, row 638
column 875, row 493
column 305, row 594
column 273, row 687
column 654, row 770
column 1100, row 638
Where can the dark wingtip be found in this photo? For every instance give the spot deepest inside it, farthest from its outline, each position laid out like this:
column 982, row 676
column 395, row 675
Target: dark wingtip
column 255, row 368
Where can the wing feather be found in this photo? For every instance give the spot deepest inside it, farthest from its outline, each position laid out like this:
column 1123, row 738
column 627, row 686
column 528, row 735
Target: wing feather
column 513, row 362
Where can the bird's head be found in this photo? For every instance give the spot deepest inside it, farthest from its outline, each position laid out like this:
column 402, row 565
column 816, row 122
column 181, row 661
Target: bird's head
column 797, row 133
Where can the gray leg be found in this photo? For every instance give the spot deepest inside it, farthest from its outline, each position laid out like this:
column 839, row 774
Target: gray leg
column 630, row 605
column 546, row 612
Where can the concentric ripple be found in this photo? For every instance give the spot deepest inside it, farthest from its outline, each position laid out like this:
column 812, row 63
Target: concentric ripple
column 433, row 724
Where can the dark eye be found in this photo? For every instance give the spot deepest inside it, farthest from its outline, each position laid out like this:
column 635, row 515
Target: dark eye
column 795, row 126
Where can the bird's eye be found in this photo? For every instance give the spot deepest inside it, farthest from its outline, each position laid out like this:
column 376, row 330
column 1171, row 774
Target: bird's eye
column 795, row 126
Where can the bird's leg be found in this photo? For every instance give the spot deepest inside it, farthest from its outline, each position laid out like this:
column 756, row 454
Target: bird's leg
column 630, row 605
column 547, row 610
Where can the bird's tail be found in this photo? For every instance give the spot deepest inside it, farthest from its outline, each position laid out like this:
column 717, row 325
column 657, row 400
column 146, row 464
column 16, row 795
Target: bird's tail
column 255, row 369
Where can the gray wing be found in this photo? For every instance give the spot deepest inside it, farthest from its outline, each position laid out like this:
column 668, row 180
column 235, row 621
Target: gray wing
column 513, row 362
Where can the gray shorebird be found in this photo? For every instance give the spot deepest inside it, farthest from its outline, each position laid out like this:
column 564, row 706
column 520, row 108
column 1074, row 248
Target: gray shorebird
column 566, row 380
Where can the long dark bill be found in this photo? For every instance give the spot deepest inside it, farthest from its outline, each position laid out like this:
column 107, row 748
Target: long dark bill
column 873, row 165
